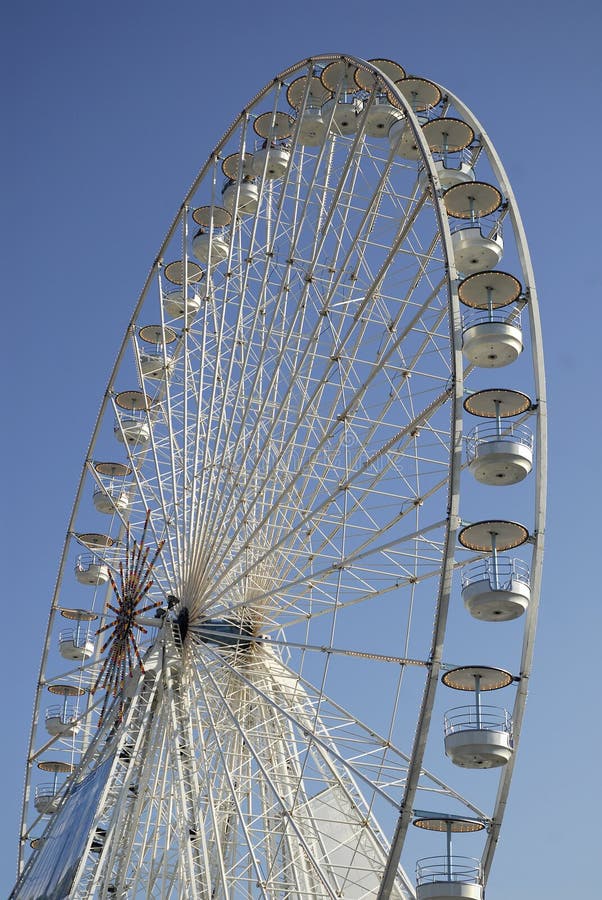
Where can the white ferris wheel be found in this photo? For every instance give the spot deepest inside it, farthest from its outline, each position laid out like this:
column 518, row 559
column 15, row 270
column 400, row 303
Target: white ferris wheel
column 312, row 506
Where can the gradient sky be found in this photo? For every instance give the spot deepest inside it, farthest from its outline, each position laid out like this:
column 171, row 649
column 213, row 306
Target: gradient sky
column 109, row 109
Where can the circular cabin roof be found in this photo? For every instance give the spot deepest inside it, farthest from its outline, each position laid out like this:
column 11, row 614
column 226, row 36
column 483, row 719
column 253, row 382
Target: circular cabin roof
column 157, row 334
column 204, row 215
column 339, row 72
column 490, row 403
column 231, row 164
column 79, row 615
column 420, row 93
column 133, row 400
column 480, row 535
column 174, row 272
column 366, row 80
column 457, row 826
column 95, row 540
column 447, row 135
column 472, row 198
column 66, row 690
column 55, row 765
column 317, row 93
column 475, row 290
column 113, row 469
column 464, row 678
column 274, row 125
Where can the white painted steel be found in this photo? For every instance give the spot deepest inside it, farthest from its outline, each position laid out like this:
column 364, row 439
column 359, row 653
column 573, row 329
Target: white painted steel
column 91, row 571
column 302, row 461
column 500, row 461
column 496, row 604
column 449, row 890
column 475, row 251
column 113, row 498
column 243, row 196
column 479, row 748
column 492, row 344
column 134, row 431
column 450, row 175
column 271, row 162
column 342, row 115
column 155, row 365
column 312, row 127
column 381, row 115
column 178, row 306
column 209, row 248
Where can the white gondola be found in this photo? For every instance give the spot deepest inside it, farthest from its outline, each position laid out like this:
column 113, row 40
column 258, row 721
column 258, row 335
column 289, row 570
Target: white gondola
column 422, row 96
column 500, row 452
column 474, row 250
column 48, row 795
column 448, row 886
column 311, row 127
column 154, row 366
column 46, row 800
column 449, row 175
column 132, row 426
column 244, row 196
column 182, row 302
column 75, row 646
column 496, row 588
column 478, row 740
column 381, row 116
column 112, row 495
column 76, row 643
column 133, row 430
column 248, row 197
column 449, row 877
column 478, row 736
column 272, row 159
column 211, row 243
column 61, row 721
column 111, row 498
column 91, row 570
column 491, row 342
column 177, row 306
column 342, row 114
column 341, row 107
column 210, row 248
column 491, row 339
column 156, row 363
column 449, row 138
column 402, row 140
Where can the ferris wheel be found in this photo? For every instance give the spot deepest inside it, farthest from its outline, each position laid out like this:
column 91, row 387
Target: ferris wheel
column 284, row 554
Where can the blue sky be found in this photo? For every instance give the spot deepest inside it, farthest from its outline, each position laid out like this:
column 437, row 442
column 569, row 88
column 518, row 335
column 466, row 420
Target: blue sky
column 109, row 110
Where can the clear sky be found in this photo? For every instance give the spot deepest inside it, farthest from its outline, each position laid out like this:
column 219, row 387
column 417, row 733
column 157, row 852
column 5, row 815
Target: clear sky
column 108, row 111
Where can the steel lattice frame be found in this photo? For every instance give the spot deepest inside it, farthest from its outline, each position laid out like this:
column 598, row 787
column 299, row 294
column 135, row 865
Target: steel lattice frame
column 303, row 471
